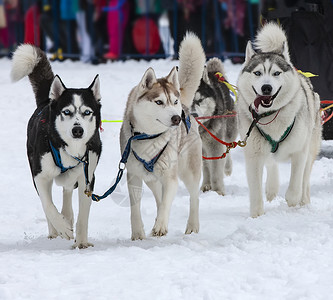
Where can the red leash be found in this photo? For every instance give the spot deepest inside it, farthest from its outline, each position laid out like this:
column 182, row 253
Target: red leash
column 228, row 145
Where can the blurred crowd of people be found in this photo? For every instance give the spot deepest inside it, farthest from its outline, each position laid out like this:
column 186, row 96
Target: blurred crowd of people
column 97, row 30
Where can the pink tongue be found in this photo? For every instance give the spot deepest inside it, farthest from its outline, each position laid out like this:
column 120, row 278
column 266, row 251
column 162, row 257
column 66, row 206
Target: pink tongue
column 261, row 99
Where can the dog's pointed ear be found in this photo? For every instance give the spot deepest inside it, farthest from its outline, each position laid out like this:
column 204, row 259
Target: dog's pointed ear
column 285, row 52
column 249, row 52
column 148, row 79
column 57, row 88
column 95, row 88
column 173, row 78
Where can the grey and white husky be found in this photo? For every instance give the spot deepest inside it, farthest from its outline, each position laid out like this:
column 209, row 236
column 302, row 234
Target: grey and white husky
column 213, row 99
column 63, row 141
column 286, row 112
column 159, row 109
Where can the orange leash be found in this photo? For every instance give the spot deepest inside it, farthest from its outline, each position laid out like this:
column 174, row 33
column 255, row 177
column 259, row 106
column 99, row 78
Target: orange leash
column 228, row 145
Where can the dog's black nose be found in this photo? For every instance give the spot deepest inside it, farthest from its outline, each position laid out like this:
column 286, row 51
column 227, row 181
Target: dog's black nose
column 77, row 132
column 266, row 89
column 175, row 120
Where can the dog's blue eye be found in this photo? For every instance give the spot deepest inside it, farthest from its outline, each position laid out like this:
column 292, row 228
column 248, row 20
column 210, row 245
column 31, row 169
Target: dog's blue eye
column 176, row 102
column 257, row 73
column 87, row 112
column 277, row 73
column 66, row 112
column 159, row 102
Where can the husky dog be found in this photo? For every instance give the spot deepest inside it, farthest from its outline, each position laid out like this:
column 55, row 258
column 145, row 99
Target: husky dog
column 158, row 108
column 212, row 99
column 285, row 110
column 63, row 142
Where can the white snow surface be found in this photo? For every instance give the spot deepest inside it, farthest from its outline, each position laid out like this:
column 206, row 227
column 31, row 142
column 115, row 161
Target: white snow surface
column 285, row 254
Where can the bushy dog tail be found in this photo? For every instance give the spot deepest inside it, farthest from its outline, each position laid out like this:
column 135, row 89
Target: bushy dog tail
column 213, row 66
column 32, row 61
column 271, row 38
column 191, row 63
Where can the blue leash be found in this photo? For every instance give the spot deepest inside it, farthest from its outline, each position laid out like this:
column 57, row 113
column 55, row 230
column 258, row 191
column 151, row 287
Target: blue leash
column 122, row 163
column 149, row 166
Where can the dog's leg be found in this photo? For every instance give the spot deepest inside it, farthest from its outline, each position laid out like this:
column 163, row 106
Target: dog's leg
column 190, row 174
column 134, row 185
column 58, row 225
column 272, row 182
column 254, row 172
column 217, row 170
column 169, row 188
column 205, row 187
column 81, row 239
column 295, row 189
column 156, row 188
column 306, row 183
column 67, row 209
column 313, row 152
column 192, row 181
column 228, row 165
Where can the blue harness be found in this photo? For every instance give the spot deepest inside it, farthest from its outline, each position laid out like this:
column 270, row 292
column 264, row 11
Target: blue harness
column 84, row 160
column 123, row 162
column 149, row 166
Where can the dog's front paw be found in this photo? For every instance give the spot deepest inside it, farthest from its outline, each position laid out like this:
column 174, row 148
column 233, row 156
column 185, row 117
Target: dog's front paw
column 82, row 245
column 206, row 187
column 270, row 196
column 257, row 212
column 63, row 228
column 138, row 235
column 159, row 229
column 192, row 228
column 52, row 236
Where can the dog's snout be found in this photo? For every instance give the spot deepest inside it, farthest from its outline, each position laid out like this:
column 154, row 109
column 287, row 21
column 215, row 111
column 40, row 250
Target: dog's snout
column 77, row 132
column 266, row 89
column 175, row 120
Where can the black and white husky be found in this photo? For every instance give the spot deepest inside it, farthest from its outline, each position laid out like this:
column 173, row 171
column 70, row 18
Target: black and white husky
column 285, row 110
column 63, row 142
column 158, row 110
column 213, row 99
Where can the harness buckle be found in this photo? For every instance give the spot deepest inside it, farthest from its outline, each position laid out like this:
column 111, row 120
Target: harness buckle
column 88, row 192
column 122, row 166
column 242, row 143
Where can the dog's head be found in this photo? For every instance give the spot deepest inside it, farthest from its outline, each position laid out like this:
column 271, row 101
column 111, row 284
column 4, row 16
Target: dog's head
column 156, row 103
column 268, row 77
column 75, row 113
column 204, row 103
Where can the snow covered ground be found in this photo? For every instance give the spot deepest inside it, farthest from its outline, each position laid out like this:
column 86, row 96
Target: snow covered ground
column 285, row 254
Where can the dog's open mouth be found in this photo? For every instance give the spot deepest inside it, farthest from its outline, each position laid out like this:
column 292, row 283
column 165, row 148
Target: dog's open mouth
column 264, row 100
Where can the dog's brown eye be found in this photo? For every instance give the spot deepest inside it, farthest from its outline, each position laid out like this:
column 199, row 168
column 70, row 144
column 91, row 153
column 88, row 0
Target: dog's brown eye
column 159, row 102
